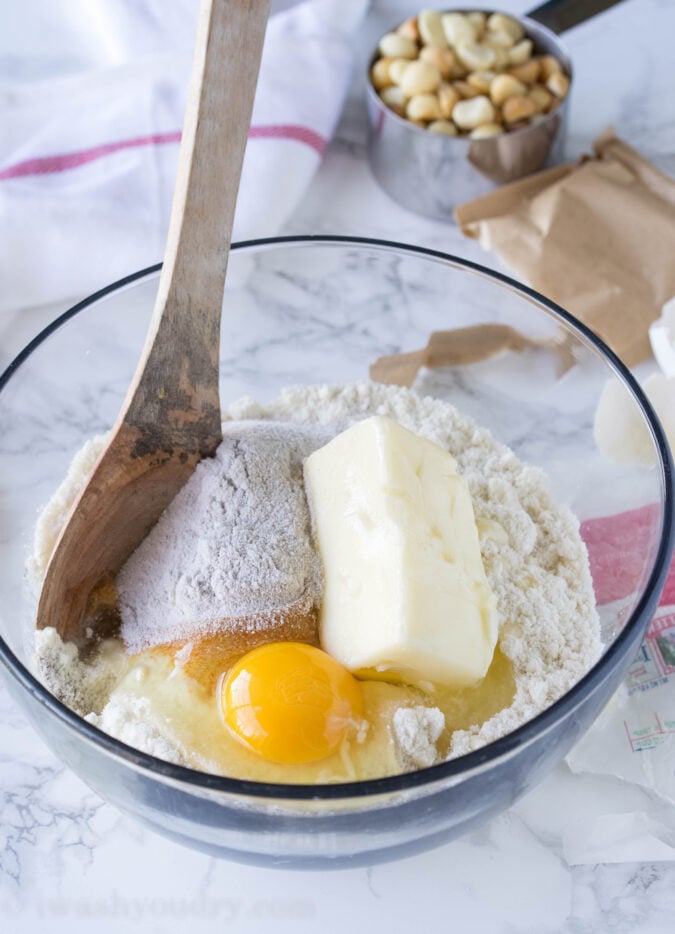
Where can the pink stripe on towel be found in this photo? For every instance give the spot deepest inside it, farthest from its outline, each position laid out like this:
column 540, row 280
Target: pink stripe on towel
column 46, row 165
column 301, row 134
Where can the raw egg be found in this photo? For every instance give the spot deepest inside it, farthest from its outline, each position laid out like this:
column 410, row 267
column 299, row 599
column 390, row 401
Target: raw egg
column 206, row 658
column 290, row 702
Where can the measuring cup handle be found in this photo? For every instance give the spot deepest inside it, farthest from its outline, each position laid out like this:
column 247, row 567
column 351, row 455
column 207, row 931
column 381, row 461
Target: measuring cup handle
column 560, row 15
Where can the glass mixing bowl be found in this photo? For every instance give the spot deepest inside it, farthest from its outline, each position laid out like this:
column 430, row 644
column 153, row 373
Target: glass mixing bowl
column 316, row 310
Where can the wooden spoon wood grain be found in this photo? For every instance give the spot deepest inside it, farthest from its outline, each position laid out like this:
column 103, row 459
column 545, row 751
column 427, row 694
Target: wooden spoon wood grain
column 171, row 416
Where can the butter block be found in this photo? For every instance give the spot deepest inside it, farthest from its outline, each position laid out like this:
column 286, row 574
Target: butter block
column 405, row 591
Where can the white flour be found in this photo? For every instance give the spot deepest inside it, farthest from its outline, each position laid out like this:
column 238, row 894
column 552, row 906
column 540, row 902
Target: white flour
column 417, row 730
column 539, row 573
column 535, row 561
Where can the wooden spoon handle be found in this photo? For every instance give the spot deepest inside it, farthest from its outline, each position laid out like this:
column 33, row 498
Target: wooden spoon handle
column 171, row 416
column 179, row 363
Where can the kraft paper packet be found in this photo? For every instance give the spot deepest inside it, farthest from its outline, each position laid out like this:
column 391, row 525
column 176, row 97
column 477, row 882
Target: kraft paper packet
column 597, row 237
column 462, row 347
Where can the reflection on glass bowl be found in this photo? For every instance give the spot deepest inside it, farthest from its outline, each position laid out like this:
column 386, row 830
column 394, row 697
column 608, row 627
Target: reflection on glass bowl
column 317, row 310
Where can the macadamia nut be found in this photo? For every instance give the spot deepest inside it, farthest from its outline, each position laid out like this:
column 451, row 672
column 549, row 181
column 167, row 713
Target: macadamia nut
column 394, row 45
column 505, row 86
column 458, row 28
column 444, row 127
column 443, row 59
column 379, row 73
column 448, row 96
column 485, row 130
column 475, row 55
column 518, row 108
column 394, row 98
column 431, row 29
column 466, row 73
column 420, row 78
column 423, row 107
column 472, row 113
column 499, row 22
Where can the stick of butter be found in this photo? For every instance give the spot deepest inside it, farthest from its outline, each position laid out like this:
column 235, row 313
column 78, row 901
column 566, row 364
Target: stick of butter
column 405, row 591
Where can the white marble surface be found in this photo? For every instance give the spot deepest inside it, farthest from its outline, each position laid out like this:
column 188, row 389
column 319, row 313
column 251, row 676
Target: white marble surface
column 69, row 862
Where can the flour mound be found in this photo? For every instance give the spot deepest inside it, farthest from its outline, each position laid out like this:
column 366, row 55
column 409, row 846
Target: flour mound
column 236, row 541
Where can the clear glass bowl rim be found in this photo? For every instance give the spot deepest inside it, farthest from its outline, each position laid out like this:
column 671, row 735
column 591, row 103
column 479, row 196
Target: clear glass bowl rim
column 453, row 768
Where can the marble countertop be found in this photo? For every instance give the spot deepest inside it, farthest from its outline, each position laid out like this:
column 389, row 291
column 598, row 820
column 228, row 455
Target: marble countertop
column 70, row 861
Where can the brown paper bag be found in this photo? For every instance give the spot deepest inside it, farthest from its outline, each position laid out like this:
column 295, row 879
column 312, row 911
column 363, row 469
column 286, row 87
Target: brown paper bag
column 465, row 346
column 598, row 238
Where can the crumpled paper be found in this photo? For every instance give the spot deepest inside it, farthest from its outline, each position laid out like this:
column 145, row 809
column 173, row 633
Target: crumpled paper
column 597, row 237
column 633, row 837
column 634, row 739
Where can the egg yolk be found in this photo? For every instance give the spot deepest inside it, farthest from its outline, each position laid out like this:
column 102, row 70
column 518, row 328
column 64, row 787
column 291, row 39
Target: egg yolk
column 290, row 702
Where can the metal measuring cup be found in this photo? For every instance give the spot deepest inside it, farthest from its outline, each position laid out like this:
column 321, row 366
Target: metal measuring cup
column 431, row 174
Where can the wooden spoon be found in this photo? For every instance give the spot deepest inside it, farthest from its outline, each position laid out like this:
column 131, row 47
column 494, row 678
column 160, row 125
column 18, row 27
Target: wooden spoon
column 171, row 416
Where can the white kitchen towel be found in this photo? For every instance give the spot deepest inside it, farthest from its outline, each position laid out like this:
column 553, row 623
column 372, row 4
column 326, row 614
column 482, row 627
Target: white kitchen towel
column 88, row 158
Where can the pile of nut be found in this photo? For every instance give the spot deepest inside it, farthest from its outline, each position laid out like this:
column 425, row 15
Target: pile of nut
column 466, row 74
